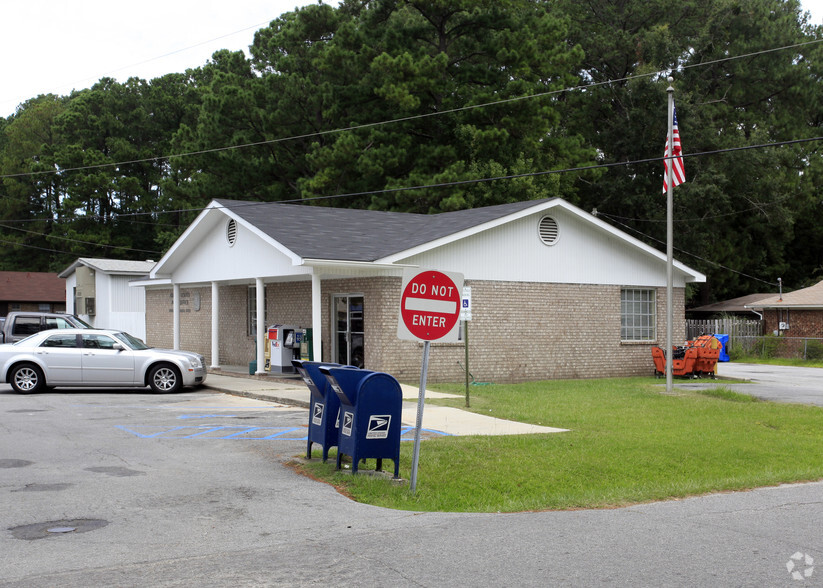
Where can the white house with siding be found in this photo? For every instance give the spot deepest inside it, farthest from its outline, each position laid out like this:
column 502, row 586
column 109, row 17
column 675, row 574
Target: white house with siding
column 98, row 291
column 556, row 292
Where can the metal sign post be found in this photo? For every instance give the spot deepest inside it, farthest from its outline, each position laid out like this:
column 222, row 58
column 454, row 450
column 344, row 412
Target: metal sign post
column 466, row 316
column 421, row 399
column 430, row 306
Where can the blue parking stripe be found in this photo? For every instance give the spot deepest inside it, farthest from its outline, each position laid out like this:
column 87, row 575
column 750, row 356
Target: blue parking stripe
column 281, row 433
column 149, row 436
column 244, row 432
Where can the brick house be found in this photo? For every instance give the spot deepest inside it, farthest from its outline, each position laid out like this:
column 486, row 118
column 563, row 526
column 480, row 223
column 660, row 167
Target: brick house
column 31, row 292
column 556, row 292
column 795, row 314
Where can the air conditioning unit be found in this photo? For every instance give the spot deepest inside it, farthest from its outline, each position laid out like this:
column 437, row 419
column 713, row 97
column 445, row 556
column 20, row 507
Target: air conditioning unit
column 783, row 326
column 89, row 306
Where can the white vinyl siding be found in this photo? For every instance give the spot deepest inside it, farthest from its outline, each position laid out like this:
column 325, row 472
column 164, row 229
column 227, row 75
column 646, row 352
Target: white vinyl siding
column 125, row 298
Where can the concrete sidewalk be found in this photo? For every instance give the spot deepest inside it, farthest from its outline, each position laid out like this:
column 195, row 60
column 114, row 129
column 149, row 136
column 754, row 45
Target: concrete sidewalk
column 451, row 421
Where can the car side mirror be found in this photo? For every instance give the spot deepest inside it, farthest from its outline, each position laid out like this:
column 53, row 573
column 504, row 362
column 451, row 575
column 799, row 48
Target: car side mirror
column 118, row 347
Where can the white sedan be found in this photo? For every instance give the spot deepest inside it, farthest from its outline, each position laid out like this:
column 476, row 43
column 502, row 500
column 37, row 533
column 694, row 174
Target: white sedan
column 96, row 357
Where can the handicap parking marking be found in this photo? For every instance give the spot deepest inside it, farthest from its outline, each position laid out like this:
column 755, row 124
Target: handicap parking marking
column 242, row 432
column 207, row 416
column 407, row 433
column 245, row 432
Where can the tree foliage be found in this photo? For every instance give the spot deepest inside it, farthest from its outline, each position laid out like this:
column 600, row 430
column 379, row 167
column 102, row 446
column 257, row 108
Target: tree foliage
column 355, row 105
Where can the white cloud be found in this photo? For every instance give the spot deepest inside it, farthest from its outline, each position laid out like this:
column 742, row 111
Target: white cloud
column 54, row 46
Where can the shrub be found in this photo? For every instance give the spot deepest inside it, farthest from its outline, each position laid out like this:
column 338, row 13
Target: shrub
column 814, row 350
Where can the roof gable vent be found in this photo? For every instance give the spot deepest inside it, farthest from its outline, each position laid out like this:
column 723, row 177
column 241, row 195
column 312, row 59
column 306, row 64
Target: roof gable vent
column 548, row 230
column 231, row 232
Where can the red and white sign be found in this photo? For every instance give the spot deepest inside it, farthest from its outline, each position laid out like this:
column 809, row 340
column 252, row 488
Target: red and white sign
column 430, row 302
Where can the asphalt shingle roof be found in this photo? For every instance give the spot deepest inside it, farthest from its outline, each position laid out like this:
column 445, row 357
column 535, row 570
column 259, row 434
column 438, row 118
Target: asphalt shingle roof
column 318, row 232
column 806, row 297
column 739, row 304
column 32, row 287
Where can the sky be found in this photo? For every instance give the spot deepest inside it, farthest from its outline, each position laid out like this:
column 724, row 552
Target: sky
column 54, row 46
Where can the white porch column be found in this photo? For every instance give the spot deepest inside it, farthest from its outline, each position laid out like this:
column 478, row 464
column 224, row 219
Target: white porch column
column 261, row 326
column 215, row 325
column 316, row 317
column 176, row 315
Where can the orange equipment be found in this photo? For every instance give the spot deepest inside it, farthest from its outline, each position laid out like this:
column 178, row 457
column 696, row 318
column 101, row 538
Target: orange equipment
column 694, row 359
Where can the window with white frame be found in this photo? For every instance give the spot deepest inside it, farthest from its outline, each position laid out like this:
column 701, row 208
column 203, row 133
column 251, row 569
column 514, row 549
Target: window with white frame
column 251, row 308
column 638, row 314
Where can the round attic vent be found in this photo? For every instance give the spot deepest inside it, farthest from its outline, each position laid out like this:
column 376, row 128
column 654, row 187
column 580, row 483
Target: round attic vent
column 548, row 230
column 231, row 232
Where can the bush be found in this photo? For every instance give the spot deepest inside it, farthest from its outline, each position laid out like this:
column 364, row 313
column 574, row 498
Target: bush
column 736, row 351
column 814, row 350
column 771, row 345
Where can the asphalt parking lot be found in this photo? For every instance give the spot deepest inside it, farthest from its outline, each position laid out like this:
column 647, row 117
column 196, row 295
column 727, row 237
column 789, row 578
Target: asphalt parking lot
column 193, row 489
column 769, row 382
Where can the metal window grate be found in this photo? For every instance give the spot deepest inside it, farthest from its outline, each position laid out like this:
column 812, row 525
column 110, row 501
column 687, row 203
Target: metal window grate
column 548, row 230
column 231, row 231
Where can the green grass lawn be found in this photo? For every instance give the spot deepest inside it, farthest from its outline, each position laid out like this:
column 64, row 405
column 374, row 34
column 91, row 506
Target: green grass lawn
column 796, row 362
column 629, row 442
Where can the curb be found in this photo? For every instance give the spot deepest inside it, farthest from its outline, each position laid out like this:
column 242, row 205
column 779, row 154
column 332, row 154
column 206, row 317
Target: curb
column 264, row 397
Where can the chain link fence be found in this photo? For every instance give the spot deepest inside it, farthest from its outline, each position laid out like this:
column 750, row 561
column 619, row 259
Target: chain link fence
column 770, row 346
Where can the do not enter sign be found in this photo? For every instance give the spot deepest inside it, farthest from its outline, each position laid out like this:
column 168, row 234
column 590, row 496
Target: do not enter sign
column 430, row 305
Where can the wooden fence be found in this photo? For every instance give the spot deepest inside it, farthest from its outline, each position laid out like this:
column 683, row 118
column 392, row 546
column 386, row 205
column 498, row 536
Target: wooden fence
column 733, row 327
column 746, row 338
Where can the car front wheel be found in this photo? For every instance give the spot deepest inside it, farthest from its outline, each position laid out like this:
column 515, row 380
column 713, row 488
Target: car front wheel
column 27, row 379
column 165, row 379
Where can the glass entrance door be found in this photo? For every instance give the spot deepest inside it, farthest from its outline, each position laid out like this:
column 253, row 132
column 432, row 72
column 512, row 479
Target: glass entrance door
column 349, row 339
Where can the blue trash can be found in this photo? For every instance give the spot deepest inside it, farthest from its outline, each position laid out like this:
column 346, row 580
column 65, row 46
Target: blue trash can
column 724, row 340
column 324, row 406
column 371, row 404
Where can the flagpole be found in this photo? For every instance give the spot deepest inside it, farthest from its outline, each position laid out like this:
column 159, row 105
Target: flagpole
column 669, row 240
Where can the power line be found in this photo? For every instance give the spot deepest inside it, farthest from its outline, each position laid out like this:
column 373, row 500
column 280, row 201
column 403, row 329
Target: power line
column 406, row 118
column 57, row 237
column 159, row 57
column 697, row 218
column 465, row 182
column 477, row 180
column 714, row 263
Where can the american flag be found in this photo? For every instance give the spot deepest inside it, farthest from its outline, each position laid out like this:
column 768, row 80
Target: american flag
column 678, row 171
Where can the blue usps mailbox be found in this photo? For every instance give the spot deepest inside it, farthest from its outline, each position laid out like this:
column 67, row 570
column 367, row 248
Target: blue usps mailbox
column 370, row 410
column 324, row 406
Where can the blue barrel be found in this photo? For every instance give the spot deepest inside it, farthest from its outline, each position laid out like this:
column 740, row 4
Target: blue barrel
column 724, row 340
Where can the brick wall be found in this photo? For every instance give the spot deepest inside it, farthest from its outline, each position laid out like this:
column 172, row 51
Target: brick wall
column 159, row 319
column 519, row 331
column 802, row 323
column 286, row 303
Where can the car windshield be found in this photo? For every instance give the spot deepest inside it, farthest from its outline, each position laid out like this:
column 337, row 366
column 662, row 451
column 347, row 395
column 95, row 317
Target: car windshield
column 82, row 323
column 131, row 342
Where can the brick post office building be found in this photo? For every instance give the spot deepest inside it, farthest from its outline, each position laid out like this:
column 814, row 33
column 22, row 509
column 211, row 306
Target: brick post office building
column 556, row 292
